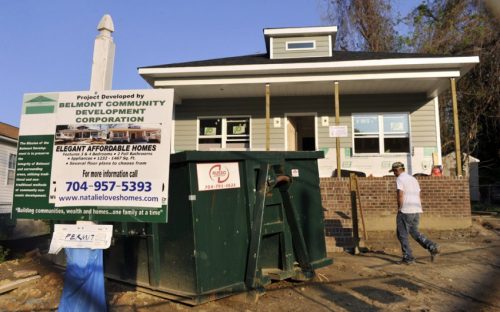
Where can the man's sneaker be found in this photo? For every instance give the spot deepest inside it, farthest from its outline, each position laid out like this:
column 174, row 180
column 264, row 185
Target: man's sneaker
column 434, row 251
column 407, row 261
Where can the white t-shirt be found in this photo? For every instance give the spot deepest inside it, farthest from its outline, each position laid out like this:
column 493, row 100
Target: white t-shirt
column 411, row 199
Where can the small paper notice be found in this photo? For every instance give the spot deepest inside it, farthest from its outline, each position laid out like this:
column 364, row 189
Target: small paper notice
column 338, row 131
column 93, row 236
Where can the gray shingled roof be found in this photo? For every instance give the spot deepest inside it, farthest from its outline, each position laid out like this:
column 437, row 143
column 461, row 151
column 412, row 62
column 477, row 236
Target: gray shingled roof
column 263, row 58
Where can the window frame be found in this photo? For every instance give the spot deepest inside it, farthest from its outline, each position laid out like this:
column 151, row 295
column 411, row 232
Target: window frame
column 381, row 134
column 224, row 134
column 11, row 169
column 300, row 41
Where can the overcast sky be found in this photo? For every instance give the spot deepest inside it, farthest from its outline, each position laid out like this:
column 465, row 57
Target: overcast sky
column 47, row 45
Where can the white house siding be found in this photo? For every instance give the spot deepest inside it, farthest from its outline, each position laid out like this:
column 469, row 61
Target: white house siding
column 323, row 47
column 6, row 191
column 420, row 108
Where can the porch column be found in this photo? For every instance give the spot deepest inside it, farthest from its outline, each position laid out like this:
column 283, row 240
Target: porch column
column 337, row 122
column 458, row 154
column 268, row 117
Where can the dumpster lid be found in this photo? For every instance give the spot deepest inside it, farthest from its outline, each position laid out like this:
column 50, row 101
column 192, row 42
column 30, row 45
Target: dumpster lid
column 189, row 156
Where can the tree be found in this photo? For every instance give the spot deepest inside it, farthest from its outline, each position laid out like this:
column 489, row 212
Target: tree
column 464, row 27
column 441, row 27
column 363, row 25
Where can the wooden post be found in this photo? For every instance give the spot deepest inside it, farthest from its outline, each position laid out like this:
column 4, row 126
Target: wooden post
column 337, row 122
column 458, row 153
column 268, row 117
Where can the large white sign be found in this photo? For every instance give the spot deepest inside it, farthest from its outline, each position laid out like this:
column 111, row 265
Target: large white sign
column 217, row 176
column 112, row 148
column 100, row 156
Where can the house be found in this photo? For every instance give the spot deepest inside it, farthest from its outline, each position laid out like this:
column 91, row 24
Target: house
column 134, row 134
column 8, row 151
column 388, row 101
column 72, row 134
column 288, row 99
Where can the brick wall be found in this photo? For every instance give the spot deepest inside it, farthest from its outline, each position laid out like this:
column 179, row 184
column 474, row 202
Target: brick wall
column 445, row 201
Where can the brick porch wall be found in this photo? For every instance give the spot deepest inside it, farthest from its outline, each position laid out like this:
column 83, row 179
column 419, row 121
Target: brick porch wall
column 445, row 201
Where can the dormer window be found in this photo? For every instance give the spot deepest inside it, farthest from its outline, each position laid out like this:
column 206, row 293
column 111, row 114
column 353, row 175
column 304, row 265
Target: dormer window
column 300, row 42
column 300, row 45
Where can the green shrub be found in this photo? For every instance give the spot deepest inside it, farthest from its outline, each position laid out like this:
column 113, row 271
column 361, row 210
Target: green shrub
column 4, row 252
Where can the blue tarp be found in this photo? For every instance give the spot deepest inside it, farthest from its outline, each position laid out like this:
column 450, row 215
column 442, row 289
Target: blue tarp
column 83, row 282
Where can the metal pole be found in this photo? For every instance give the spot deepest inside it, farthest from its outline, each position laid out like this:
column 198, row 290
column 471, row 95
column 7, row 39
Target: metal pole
column 458, row 154
column 337, row 122
column 268, row 117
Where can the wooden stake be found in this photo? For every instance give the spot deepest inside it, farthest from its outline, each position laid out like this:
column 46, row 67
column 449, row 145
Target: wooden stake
column 365, row 235
column 16, row 284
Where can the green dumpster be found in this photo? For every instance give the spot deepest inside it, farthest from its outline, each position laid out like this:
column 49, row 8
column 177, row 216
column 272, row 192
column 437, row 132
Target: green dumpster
column 236, row 221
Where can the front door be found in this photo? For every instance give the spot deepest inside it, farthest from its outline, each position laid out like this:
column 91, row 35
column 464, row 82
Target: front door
column 301, row 134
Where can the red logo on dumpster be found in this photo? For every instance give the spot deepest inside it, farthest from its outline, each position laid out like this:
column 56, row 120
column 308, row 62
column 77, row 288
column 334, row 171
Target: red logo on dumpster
column 218, row 173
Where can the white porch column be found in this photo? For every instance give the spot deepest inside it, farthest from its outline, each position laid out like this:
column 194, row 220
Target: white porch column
column 337, row 122
column 268, row 117
column 458, row 153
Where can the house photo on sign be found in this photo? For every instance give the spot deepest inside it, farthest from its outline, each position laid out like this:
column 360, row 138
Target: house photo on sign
column 94, row 156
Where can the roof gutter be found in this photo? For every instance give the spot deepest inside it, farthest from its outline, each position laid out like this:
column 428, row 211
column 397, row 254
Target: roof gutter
column 465, row 63
column 349, row 76
column 11, row 140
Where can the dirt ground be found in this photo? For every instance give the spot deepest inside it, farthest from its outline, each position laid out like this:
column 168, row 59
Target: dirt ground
column 465, row 277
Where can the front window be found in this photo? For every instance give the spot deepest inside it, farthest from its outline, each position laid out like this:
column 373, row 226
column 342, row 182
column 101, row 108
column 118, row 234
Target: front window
column 381, row 133
column 224, row 132
column 11, row 169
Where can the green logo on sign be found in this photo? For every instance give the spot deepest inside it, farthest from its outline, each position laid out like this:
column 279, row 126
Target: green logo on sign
column 39, row 105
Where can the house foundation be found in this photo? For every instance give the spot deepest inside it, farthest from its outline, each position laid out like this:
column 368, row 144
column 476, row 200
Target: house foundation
column 445, row 201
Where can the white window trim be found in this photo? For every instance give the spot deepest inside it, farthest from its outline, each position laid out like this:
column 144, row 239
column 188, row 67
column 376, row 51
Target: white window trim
column 223, row 134
column 8, row 169
column 271, row 48
column 301, row 41
column 380, row 134
column 172, row 132
column 330, row 48
column 315, row 115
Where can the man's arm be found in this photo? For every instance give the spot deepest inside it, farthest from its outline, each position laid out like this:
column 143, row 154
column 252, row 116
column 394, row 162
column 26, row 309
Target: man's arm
column 400, row 196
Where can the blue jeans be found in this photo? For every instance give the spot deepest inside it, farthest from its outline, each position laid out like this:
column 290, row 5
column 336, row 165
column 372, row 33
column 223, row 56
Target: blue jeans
column 407, row 223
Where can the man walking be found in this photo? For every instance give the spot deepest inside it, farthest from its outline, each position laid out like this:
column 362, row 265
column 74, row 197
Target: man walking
column 409, row 210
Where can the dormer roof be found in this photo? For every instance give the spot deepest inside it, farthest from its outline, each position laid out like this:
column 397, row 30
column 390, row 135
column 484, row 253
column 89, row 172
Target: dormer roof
column 299, row 32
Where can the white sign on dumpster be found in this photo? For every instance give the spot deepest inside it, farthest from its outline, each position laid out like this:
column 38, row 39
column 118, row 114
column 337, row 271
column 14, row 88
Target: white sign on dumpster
column 93, row 236
column 218, row 176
